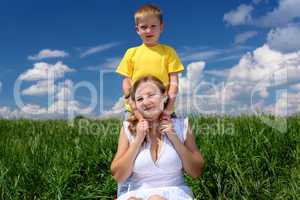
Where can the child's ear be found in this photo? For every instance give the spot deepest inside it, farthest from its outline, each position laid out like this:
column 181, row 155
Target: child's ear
column 137, row 30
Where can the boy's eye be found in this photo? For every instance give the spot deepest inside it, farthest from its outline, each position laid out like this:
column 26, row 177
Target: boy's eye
column 153, row 26
column 143, row 27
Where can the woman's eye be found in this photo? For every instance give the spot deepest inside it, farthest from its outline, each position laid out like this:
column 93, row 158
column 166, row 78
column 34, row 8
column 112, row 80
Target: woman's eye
column 139, row 100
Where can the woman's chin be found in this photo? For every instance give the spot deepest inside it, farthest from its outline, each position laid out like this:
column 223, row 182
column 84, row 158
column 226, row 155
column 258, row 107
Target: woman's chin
column 151, row 115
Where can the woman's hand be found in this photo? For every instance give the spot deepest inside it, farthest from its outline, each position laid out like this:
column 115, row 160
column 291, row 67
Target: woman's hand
column 142, row 129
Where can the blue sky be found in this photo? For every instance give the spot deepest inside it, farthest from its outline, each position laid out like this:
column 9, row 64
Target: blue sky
column 81, row 39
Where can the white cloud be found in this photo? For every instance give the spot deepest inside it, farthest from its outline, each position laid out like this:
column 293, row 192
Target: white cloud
column 34, row 109
column 40, row 88
column 63, row 106
column 109, row 63
column 286, row 12
column 248, row 85
column 98, row 49
column 64, row 90
column 45, row 71
column 201, row 55
column 296, row 87
column 193, row 76
column 64, row 100
column 242, row 15
column 61, row 93
column 220, row 73
column 287, row 103
column 117, row 111
column 48, row 53
column 213, row 55
column 264, row 92
column 6, row 113
column 265, row 62
column 229, row 57
column 243, row 37
column 62, row 103
column 261, row 72
column 285, row 39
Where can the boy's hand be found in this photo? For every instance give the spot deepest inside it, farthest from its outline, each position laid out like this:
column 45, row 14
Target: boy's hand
column 166, row 127
column 166, row 115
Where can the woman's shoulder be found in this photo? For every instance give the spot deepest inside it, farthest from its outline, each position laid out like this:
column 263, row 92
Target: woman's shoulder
column 126, row 130
column 180, row 125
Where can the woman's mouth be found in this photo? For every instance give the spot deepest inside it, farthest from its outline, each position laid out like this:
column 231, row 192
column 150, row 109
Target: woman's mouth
column 148, row 109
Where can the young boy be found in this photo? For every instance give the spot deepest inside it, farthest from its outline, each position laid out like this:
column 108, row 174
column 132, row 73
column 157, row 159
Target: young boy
column 150, row 58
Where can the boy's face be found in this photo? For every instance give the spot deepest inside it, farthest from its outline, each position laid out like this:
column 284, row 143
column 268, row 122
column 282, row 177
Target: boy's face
column 149, row 29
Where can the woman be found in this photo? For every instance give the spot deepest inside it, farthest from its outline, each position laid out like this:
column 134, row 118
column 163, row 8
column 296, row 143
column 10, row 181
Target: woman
column 153, row 153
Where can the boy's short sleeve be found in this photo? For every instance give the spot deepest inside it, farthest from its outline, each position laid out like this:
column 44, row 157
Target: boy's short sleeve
column 174, row 63
column 125, row 67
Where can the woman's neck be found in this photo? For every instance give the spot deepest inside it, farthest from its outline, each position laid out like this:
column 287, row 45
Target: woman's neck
column 154, row 129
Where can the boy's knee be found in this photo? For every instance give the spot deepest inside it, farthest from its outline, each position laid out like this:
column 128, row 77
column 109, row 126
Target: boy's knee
column 156, row 197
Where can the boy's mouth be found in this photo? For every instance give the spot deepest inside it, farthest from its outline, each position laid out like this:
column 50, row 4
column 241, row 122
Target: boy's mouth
column 149, row 36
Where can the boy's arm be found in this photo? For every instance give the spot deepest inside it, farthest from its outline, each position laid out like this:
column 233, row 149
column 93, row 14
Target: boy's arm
column 174, row 67
column 126, row 85
column 172, row 93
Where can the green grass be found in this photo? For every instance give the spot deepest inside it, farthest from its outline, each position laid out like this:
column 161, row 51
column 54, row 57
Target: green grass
column 245, row 159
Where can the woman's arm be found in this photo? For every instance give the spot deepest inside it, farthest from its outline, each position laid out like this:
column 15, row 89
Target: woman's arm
column 122, row 164
column 192, row 159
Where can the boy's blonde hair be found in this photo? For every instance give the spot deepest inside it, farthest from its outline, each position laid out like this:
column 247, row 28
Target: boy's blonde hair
column 148, row 10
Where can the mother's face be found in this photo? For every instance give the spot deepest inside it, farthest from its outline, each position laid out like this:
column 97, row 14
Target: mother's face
column 149, row 100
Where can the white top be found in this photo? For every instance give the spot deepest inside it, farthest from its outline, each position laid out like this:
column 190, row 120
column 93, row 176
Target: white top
column 164, row 175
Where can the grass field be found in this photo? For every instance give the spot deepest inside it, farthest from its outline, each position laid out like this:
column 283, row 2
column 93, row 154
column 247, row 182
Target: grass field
column 245, row 159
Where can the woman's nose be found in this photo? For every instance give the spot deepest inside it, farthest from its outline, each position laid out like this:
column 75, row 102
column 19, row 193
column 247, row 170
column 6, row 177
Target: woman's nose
column 146, row 101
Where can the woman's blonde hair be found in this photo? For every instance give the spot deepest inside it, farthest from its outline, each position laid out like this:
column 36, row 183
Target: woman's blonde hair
column 132, row 118
column 148, row 10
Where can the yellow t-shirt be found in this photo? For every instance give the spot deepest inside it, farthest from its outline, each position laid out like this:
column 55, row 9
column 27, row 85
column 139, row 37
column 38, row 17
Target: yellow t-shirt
column 158, row 61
